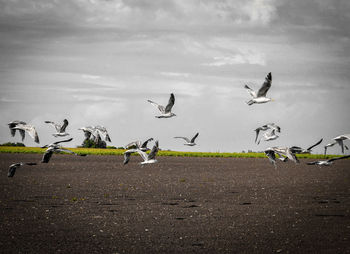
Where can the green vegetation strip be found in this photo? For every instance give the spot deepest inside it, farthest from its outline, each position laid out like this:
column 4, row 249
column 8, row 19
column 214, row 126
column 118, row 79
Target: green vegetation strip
column 97, row 151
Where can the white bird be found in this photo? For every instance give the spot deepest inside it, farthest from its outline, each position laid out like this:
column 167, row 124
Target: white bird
column 188, row 141
column 327, row 162
column 148, row 158
column 13, row 167
column 30, row 129
column 61, row 129
column 102, row 131
column 165, row 112
column 266, row 127
column 298, row 149
column 139, row 145
column 56, row 148
column 260, row 97
column 284, row 154
column 13, row 131
column 340, row 141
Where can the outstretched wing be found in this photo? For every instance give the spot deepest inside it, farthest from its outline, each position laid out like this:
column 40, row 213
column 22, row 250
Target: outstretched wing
column 319, row 142
column 64, row 126
column 135, row 144
column 250, row 91
column 186, row 139
column 47, row 156
column 194, row 138
column 265, row 86
column 144, row 144
column 12, row 169
column 159, row 107
column 271, row 155
column 339, row 158
column 55, row 125
column 312, row 163
column 154, row 151
column 127, row 155
column 171, row 103
column 66, row 140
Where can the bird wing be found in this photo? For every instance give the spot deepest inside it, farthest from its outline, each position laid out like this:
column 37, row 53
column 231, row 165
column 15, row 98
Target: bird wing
column 186, row 139
column 273, row 126
column 271, row 155
column 265, row 86
column 23, row 134
column 30, row 129
column 291, row 156
column 257, row 130
column 154, row 151
column 312, row 163
column 171, row 103
column 319, row 142
column 47, row 155
column 194, row 138
column 159, row 107
column 339, row 158
column 64, row 150
column 341, row 143
column 66, row 140
column 64, row 126
column 142, row 154
column 144, row 144
column 296, row 149
column 250, row 91
column 135, row 144
column 55, row 125
column 127, row 155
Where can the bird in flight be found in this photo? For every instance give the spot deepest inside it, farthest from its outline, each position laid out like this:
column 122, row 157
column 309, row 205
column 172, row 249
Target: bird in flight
column 188, row 141
column 60, row 129
column 260, row 96
column 165, row 112
column 298, row 149
column 30, row 129
column 147, row 158
column 327, row 162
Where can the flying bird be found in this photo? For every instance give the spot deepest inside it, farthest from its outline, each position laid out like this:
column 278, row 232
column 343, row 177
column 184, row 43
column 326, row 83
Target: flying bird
column 260, row 97
column 13, row 131
column 298, row 149
column 147, row 158
column 327, row 162
column 284, row 154
column 265, row 128
column 89, row 132
column 165, row 112
column 102, row 132
column 188, row 141
column 340, row 141
column 61, row 129
column 56, row 148
column 30, row 129
column 139, row 145
column 13, row 167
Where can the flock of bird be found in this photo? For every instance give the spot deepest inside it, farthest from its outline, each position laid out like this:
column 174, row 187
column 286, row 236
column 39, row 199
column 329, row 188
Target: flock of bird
column 99, row 133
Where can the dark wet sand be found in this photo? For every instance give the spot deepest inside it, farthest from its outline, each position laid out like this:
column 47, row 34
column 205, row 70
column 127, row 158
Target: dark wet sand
column 94, row 204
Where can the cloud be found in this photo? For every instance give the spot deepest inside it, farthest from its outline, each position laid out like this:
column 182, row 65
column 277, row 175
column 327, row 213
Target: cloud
column 248, row 58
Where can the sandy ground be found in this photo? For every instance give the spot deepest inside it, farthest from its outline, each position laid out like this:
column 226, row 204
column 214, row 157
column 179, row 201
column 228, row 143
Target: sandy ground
column 94, row 204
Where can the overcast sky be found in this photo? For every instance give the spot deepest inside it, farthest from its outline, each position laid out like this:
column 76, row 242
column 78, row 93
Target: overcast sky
column 96, row 62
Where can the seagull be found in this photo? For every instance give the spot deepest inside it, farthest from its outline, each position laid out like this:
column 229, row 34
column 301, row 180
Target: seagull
column 102, row 131
column 13, row 131
column 297, row 149
column 56, row 148
column 13, row 167
column 269, row 136
column 284, row 154
column 27, row 128
column 266, row 127
column 260, row 97
column 61, row 129
column 327, row 162
column 165, row 112
column 139, row 145
column 190, row 142
column 338, row 140
column 148, row 158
